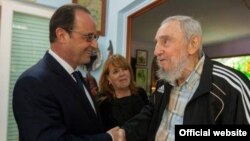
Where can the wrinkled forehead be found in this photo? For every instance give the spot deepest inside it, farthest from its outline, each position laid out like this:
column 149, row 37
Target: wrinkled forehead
column 84, row 21
column 170, row 28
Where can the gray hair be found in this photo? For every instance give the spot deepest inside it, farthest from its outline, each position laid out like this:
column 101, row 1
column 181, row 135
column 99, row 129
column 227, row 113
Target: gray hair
column 188, row 25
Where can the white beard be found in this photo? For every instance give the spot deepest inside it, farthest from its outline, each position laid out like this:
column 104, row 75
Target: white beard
column 177, row 68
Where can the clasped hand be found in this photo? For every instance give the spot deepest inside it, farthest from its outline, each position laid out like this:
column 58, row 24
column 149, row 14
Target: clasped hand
column 117, row 134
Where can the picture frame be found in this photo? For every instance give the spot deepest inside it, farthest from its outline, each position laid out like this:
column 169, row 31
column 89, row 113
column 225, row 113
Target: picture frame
column 142, row 77
column 98, row 11
column 141, row 57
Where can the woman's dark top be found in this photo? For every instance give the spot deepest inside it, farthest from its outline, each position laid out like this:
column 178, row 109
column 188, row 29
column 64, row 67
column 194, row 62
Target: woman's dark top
column 116, row 112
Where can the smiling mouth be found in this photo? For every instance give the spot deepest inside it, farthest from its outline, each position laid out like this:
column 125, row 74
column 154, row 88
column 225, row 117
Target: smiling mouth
column 123, row 79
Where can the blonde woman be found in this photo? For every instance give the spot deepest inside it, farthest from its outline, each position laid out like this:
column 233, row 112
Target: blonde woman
column 119, row 98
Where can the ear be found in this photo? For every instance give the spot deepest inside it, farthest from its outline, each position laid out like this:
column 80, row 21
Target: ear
column 61, row 35
column 194, row 44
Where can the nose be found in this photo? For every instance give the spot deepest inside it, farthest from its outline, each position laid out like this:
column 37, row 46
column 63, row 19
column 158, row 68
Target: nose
column 157, row 50
column 122, row 72
column 94, row 44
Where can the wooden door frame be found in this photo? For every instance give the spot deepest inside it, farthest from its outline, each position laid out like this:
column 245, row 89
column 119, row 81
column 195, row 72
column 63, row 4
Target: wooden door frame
column 130, row 22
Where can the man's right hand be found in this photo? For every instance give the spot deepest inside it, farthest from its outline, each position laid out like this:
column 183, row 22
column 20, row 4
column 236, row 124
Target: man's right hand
column 117, row 134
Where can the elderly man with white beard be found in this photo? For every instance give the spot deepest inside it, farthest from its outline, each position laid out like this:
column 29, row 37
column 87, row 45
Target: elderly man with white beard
column 192, row 88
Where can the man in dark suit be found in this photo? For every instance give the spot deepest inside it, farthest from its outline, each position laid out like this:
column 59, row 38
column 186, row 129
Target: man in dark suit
column 48, row 104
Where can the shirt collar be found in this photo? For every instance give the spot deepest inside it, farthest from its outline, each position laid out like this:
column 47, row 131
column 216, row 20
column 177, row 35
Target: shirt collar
column 196, row 73
column 63, row 63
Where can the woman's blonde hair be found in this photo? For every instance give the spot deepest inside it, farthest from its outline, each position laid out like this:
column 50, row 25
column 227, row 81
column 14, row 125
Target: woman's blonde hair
column 118, row 61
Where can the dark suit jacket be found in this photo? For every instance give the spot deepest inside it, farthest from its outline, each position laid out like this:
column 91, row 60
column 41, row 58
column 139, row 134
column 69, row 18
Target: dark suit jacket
column 48, row 105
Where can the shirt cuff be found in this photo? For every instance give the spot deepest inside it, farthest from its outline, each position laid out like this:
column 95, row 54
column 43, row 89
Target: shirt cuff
column 111, row 136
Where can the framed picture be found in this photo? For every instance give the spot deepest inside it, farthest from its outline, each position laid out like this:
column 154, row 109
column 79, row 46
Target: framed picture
column 142, row 77
column 141, row 57
column 98, row 11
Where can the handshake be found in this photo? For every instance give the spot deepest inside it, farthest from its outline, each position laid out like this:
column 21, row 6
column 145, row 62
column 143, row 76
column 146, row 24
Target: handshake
column 117, row 133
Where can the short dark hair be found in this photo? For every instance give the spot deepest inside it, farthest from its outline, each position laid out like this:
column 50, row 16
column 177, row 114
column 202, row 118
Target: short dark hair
column 64, row 17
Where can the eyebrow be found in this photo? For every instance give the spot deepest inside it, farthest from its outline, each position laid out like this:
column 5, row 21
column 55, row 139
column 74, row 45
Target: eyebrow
column 162, row 37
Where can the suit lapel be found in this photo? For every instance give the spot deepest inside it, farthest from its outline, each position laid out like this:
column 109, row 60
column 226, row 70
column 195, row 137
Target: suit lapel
column 82, row 97
column 66, row 78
